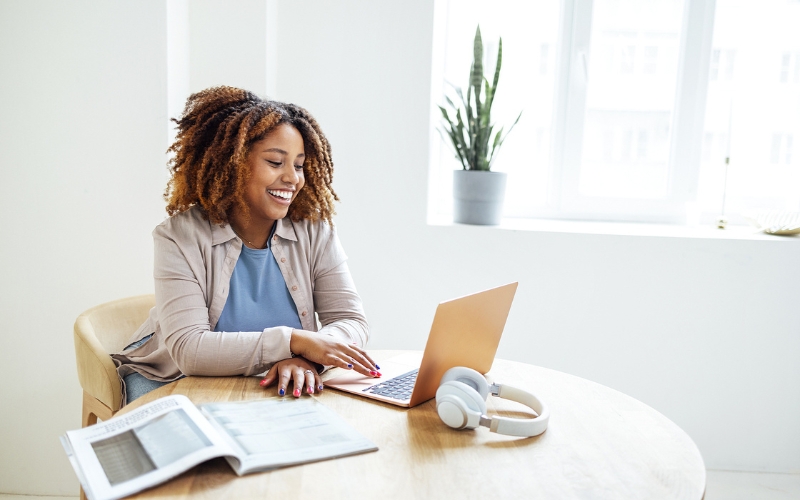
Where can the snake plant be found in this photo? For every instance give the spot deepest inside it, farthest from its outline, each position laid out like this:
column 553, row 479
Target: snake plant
column 470, row 130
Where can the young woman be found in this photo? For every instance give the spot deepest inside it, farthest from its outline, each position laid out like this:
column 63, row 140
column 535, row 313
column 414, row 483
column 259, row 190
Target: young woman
column 249, row 257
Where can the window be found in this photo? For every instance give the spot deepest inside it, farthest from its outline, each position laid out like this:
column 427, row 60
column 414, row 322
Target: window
column 752, row 110
column 631, row 107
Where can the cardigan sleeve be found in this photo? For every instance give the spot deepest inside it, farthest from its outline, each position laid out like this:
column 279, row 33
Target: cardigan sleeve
column 336, row 301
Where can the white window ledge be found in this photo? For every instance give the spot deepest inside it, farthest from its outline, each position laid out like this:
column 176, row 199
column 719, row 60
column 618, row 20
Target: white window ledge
column 627, row 229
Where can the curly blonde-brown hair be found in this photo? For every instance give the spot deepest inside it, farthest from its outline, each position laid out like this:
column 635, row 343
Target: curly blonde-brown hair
column 215, row 133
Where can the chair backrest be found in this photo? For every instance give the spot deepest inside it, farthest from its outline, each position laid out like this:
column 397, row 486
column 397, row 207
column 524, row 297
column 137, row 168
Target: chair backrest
column 103, row 330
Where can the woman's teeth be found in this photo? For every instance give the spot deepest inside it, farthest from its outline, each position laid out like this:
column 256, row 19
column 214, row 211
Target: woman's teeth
column 286, row 195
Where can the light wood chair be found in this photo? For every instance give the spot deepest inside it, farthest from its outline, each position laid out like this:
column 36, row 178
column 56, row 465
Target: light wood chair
column 100, row 331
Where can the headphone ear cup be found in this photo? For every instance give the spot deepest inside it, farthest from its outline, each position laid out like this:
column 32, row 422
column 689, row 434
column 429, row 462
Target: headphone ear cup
column 459, row 405
column 451, row 411
column 469, row 377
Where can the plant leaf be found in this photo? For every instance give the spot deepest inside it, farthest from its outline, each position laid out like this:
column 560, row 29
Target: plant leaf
column 462, row 140
column 515, row 123
column 488, row 104
column 497, row 67
column 459, row 93
column 476, row 73
column 447, row 119
column 445, row 115
column 495, row 144
column 459, row 153
column 452, row 131
column 471, row 126
column 502, row 139
column 483, row 147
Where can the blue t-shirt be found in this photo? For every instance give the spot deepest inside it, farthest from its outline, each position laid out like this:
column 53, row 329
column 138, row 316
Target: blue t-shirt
column 258, row 296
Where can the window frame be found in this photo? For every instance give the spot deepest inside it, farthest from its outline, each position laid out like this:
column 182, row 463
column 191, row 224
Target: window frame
column 686, row 130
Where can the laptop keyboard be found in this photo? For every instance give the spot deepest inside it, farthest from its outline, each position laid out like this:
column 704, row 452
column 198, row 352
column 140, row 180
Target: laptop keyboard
column 399, row 388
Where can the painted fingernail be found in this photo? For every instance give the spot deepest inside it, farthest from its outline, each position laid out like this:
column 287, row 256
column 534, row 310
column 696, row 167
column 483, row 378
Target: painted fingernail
column 310, row 390
column 281, row 392
column 319, row 388
column 263, row 382
column 297, row 393
column 349, row 365
column 373, row 372
column 377, row 367
column 378, row 374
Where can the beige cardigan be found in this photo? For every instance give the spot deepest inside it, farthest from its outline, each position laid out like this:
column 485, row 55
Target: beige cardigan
column 194, row 260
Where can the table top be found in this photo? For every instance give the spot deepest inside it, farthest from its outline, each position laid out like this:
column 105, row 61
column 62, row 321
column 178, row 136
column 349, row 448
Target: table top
column 599, row 443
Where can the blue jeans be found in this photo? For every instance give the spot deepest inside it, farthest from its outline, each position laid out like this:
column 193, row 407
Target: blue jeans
column 136, row 384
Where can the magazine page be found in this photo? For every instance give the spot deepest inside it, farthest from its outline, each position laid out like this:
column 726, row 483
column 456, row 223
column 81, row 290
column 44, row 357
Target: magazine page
column 276, row 432
column 143, row 448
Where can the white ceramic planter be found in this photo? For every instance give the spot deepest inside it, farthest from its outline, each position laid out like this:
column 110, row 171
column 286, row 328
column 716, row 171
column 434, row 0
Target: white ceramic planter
column 478, row 197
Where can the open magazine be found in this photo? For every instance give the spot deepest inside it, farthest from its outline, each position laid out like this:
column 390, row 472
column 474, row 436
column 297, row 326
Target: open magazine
column 164, row 438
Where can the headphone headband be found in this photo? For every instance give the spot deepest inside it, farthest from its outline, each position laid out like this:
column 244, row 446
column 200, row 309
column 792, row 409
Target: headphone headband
column 517, row 426
column 461, row 404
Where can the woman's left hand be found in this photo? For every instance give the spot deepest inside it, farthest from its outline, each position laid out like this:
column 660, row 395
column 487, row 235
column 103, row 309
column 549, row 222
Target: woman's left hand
column 298, row 370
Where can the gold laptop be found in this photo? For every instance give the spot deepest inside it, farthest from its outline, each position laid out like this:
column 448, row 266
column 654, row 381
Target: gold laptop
column 465, row 332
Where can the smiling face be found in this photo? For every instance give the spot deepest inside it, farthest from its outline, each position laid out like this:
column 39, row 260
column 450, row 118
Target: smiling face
column 276, row 174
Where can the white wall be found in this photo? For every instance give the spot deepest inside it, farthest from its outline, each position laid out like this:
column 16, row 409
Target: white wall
column 702, row 330
column 228, row 44
column 82, row 141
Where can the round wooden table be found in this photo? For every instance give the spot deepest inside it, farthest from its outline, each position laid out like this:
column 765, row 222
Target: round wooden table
column 599, row 444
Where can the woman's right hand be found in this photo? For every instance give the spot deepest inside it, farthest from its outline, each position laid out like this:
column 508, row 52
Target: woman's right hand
column 328, row 350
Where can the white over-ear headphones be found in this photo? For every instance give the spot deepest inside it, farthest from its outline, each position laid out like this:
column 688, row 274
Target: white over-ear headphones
column 461, row 404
